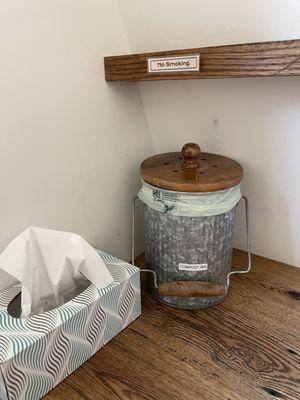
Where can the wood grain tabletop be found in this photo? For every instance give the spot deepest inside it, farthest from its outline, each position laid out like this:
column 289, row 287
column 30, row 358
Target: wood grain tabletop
column 247, row 347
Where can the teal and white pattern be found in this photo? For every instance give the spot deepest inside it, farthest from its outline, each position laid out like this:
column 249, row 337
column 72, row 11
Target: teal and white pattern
column 38, row 352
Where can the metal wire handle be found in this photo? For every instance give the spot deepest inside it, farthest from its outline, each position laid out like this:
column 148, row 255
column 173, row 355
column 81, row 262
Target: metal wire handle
column 248, row 245
column 246, row 202
column 133, row 244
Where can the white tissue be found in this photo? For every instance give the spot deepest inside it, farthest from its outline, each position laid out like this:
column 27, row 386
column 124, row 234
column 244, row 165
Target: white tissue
column 47, row 263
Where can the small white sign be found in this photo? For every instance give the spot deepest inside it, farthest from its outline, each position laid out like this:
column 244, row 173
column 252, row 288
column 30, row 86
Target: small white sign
column 192, row 267
column 174, row 64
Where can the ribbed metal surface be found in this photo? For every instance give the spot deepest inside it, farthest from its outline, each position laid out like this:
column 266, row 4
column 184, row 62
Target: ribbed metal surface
column 171, row 240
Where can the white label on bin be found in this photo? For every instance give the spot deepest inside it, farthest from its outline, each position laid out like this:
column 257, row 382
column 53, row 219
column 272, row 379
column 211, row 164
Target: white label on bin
column 192, row 267
column 175, row 63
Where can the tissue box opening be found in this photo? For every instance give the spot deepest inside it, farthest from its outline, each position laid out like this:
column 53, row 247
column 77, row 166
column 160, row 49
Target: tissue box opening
column 14, row 308
column 47, row 262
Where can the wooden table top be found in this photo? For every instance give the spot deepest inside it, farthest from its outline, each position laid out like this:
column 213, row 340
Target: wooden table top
column 247, row 347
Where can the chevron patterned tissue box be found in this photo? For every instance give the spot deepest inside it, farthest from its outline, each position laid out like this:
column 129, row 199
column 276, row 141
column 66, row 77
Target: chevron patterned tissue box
column 38, row 352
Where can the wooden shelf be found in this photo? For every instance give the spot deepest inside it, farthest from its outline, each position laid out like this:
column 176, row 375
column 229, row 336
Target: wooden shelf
column 281, row 58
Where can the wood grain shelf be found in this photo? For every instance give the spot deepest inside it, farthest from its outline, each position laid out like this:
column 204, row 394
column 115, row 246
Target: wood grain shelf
column 280, row 58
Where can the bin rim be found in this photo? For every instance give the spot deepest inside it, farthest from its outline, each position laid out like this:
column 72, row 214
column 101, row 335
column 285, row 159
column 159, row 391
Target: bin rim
column 190, row 204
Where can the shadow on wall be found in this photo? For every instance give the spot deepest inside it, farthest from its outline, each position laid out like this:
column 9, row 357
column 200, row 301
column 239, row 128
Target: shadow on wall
column 77, row 171
column 130, row 147
column 269, row 221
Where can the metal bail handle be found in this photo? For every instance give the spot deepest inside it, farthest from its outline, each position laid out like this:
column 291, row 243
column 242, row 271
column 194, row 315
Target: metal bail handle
column 194, row 288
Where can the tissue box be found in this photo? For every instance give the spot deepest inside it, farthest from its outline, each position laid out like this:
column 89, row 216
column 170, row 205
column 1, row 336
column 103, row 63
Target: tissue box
column 38, row 352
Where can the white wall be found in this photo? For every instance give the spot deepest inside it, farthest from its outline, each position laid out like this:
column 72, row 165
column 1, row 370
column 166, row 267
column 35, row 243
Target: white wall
column 255, row 121
column 70, row 144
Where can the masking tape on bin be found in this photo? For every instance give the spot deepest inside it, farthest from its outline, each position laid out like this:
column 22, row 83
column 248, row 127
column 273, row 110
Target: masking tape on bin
column 202, row 204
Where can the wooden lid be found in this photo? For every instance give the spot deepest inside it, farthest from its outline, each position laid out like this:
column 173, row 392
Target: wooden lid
column 191, row 171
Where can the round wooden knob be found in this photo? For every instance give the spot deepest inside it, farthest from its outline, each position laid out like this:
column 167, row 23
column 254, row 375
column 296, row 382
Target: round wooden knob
column 191, row 153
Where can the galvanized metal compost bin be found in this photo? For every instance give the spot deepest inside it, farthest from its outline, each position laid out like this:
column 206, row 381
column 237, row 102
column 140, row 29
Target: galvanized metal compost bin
column 190, row 206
